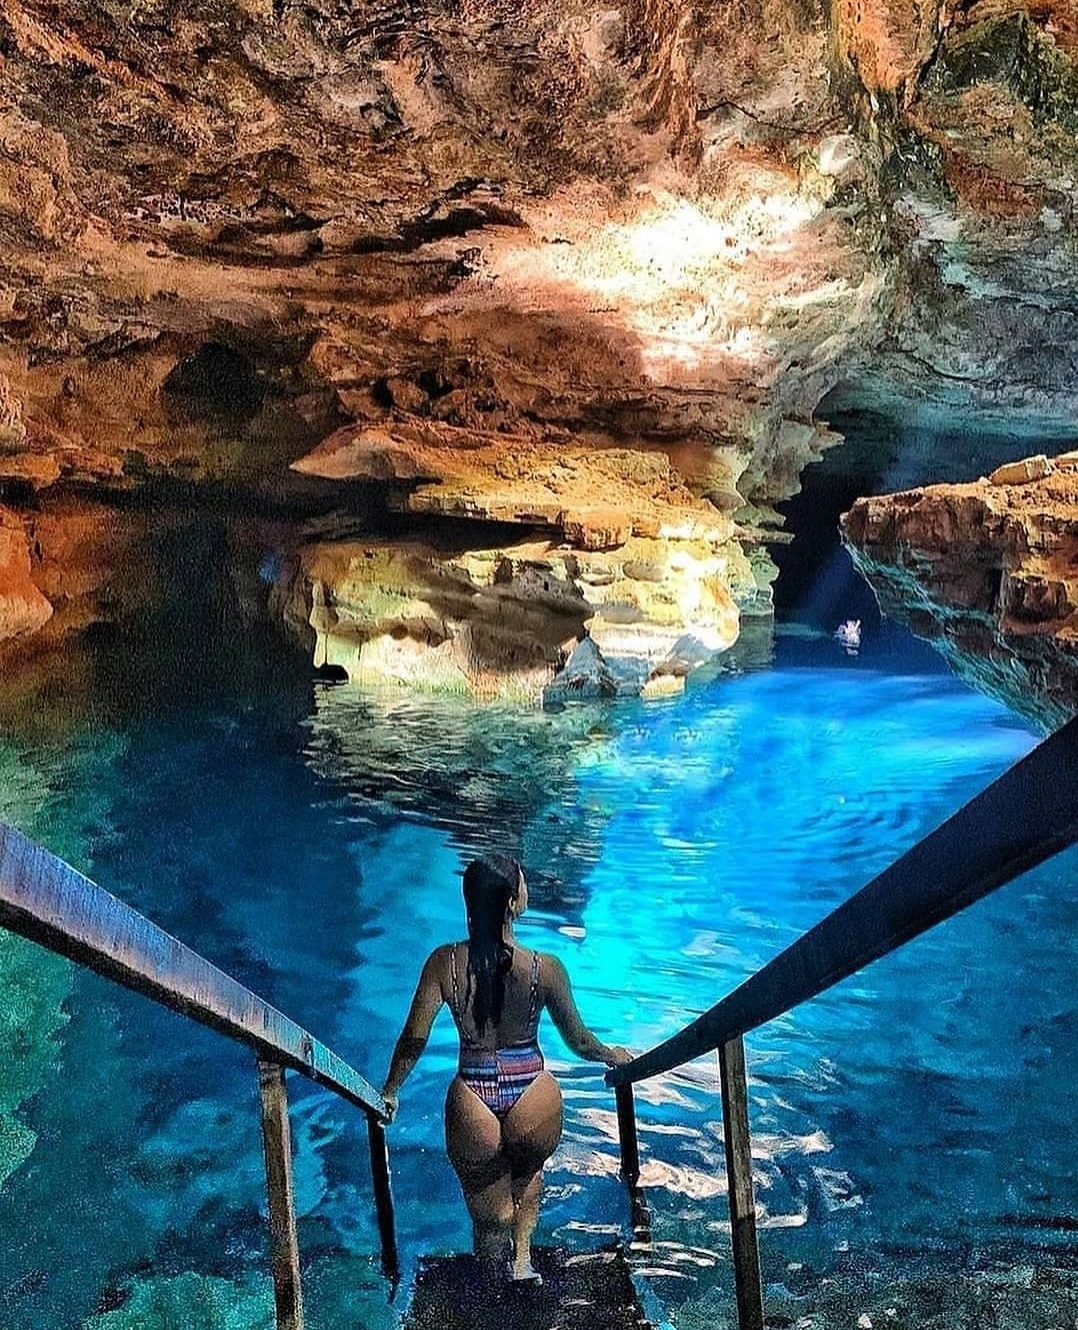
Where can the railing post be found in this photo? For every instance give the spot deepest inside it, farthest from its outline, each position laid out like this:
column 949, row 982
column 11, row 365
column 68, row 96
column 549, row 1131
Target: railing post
column 630, row 1147
column 639, row 1214
column 284, row 1243
column 383, row 1198
column 735, row 1124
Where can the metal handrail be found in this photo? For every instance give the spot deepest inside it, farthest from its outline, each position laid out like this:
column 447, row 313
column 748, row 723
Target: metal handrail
column 44, row 899
column 1024, row 817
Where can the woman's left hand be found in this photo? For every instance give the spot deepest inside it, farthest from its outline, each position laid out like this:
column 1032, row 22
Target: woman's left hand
column 391, row 1102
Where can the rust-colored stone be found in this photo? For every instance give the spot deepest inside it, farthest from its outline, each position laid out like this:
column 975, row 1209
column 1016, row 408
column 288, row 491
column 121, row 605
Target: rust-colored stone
column 23, row 609
column 596, row 499
column 988, row 571
column 524, row 255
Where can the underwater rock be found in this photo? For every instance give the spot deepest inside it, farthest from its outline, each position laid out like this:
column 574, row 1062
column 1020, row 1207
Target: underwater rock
column 884, row 1292
column 197, row 1302
column 986, row 572
column 34, row 986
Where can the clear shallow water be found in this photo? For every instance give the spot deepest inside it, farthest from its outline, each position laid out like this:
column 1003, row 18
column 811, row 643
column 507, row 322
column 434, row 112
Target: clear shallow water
column 310, row 839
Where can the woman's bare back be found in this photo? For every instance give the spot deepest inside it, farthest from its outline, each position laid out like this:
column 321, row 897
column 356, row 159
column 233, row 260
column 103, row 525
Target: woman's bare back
column 521, row 1007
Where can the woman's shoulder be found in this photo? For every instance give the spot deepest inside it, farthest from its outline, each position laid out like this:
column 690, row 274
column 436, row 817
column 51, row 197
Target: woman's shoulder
column 548, row 957
column 441, row 957
column 548, row 965
column 438, row 968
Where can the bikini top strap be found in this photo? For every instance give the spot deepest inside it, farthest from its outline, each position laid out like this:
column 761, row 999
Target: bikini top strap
column 455, row 1003
column 533, row 996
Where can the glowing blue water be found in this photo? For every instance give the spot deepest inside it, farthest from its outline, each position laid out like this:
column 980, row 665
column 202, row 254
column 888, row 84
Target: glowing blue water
column 314, row 850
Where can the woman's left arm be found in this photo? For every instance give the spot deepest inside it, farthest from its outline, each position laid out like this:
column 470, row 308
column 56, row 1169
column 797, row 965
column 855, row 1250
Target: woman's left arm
column 413, row 1038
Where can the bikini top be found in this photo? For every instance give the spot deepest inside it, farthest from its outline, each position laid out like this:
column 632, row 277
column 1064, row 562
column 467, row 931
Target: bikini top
column 455, row 1006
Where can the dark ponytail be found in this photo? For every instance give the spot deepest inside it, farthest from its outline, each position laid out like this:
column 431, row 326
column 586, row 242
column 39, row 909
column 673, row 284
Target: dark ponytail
column 490, row 884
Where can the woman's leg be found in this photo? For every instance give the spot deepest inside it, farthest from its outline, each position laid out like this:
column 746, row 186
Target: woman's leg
column 473, row 1141
column 526, row 1194
column 531, row 1132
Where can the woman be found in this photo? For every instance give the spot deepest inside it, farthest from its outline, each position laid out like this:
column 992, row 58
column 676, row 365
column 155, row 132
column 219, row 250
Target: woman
column 503, row 1112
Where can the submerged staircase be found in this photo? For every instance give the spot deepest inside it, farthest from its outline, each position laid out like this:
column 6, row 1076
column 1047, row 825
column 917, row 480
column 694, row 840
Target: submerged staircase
column 1021, row 819
column 581, row 1291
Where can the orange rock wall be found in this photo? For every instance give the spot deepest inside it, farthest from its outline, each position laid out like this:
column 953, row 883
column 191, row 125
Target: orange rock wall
column 986, row 571
column 542, row 233
column 23, row 608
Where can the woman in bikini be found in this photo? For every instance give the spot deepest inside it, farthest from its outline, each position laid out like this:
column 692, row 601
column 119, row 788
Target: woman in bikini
column 503, row 1111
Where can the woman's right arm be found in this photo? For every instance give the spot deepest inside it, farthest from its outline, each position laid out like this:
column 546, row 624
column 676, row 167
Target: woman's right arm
column 563, row 1010
column 413, row 1037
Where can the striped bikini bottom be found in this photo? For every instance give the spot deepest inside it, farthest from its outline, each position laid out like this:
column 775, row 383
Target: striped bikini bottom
column 500, row 1078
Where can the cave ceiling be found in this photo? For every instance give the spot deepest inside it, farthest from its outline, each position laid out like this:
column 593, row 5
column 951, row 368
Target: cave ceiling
column 667, row 221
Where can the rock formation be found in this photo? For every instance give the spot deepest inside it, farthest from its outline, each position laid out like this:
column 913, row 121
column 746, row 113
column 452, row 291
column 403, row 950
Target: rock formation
column 23, row 608
column 620, row 552
column 986, row 572
column 526, row 260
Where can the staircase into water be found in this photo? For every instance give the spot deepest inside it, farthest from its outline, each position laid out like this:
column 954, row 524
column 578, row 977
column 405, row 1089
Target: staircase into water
column 1029, row 814
column 580, row 1291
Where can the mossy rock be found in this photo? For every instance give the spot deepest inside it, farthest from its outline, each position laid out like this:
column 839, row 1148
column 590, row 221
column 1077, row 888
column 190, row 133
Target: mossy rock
column 1013, row 51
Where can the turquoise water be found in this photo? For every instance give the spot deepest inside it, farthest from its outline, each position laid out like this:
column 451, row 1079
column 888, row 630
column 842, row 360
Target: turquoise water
column 309, row 839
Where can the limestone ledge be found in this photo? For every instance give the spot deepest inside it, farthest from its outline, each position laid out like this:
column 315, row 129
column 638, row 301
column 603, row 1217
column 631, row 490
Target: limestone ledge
column 536, row 620
column 622, row 580
column 988, row 572
column 598, row 498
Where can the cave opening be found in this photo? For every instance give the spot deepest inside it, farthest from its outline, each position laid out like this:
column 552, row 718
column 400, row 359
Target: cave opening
column 216, row 381
column 881, row 453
